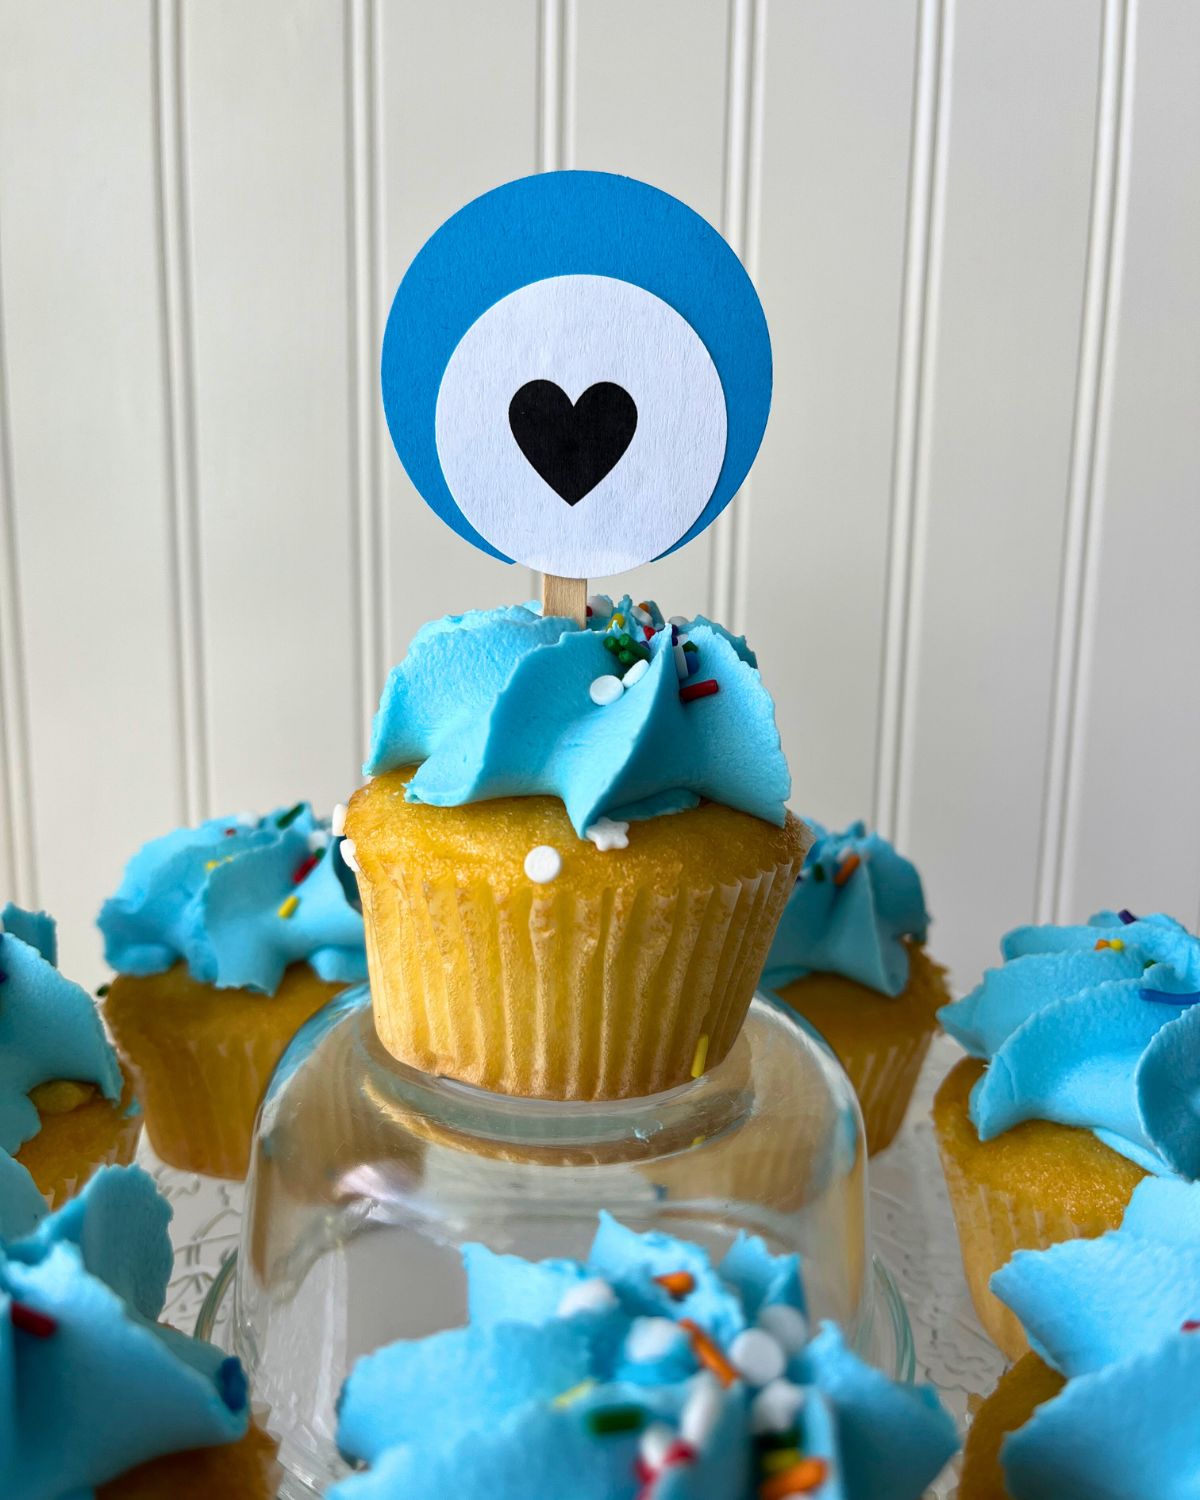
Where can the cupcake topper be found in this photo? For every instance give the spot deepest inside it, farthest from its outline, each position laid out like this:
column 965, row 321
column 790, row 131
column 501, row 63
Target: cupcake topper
column 576, row 375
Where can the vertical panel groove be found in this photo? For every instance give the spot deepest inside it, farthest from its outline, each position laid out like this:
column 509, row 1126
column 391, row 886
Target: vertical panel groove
column 1089, row 456
column 914, row 385
column 743, row 83
column 183, row 519
column 18, row 849
column 364, row 328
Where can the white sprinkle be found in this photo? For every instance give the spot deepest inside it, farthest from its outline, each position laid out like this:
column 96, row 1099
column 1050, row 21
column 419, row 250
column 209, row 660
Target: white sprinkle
column 701, row 1410
column 642, row 616
column 317, row 839
column 636, row 672
column 608, row 834
column 657, row 1441
column 681, row 665
column 605, row 690
column 593, row 1295
column 543, row 864
column 652, row 1339
column 776, row 1406
column 786, row 1324
column 599, row 605
column 248, row 819
column 348, row 854
column 757, row 1357
column 678, row 621
column 337, row 823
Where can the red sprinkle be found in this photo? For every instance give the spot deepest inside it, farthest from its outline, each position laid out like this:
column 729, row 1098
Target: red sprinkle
column 30, row 1321
column 304, row 870
column 695, row 690
column 678, row 1283
column 846, row 869
column 1190, row 1326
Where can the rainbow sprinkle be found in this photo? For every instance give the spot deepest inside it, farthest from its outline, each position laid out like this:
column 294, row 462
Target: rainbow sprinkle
column 1114, row 943
column 288, row 907
column 38, row 1324
column 695, row 690
column 285, row 820
column 846, row 869
column 708, row 1353
column 678, row 1283
column 607, row 1421
column 700, row 1056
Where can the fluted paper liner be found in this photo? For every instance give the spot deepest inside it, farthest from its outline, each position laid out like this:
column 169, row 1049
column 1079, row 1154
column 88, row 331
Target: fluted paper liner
column 1032, row 1187
column 598, row 984
column 202, row 1058
column 880, row 1040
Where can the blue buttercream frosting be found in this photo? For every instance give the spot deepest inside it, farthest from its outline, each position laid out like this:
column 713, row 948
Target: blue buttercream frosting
column 1114, row 1316
column 1097, row 1026
column 497, row 703
column 218, row 897
column 582, row 1379
column 850, row 924
column 92, row 1385
column 49, row 1030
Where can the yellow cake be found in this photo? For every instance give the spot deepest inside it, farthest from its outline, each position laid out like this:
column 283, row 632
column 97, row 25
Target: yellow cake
column 628, row 972
column 1030, row 1187
column 245, row 1470
column 202, row 1057
column 1021, row 1390
column 80, row 1132
column 880, row 1040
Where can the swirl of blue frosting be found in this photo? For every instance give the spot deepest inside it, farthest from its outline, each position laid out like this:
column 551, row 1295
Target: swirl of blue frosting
column 218, row 896
column 1097, row 1026
column 497, row 703
column 582, row 1379
column 1114, row 1315
column 854, row 928
column 93, row 1385
column 49, row 1029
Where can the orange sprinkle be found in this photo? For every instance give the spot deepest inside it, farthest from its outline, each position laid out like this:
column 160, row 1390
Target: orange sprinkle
column 802, row 1478
column 846, row 869
column 709, row 1355
column 678, row 1283
column 1115, row 944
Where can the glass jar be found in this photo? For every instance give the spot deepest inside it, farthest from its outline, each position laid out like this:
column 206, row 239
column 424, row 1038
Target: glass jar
column 367, row 1177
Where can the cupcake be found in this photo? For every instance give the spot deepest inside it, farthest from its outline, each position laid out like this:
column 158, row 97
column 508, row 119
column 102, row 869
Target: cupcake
column 225, row 939
column 574, row 851
column 643, row 1371
column 1081, row 1079
column 95, row 1387
column 65, row 1108
column 850, row 957
column 1105, row 1406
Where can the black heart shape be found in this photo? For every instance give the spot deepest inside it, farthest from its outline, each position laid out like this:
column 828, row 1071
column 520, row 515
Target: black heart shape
column 574, row 446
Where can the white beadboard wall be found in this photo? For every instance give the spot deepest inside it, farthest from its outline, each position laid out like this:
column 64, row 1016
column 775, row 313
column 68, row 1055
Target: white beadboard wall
column 968, row 552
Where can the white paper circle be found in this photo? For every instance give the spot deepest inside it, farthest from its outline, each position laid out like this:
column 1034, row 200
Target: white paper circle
column 579, row 332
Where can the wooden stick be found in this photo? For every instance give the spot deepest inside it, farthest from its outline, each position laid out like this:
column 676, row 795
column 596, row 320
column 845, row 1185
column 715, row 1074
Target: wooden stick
column 565, row 597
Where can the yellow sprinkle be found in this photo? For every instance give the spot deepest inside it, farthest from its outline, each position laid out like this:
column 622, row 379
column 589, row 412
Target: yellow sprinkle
column 212, row 864
column 568, row 1398
column 289, row 906
column 618, row 618
column 781, row 1458
column 60, row 1096
column 700, row 1056
column 699, row 1141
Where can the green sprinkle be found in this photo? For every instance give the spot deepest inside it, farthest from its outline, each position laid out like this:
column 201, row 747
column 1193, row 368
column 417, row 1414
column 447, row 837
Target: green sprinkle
column 774, row 1442
column 102, row 991
column 626, row 658
column 818, row 873
column 285, row 820
column 610, row 643
column 606, row 1421
column 624, row 641
column 691, row 646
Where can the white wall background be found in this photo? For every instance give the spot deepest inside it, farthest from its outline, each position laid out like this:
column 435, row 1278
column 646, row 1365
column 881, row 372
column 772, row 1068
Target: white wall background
column 967, row 555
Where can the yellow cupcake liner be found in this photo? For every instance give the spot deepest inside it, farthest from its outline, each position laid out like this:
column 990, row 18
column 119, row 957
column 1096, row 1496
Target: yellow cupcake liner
column 70, row 1148
column 549, row 993
column 884, row 1079
column 1019, row 1393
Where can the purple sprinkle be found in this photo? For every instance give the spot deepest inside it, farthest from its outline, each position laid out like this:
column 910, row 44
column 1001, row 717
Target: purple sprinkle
column 1126, row 916
column 1165, row 997
column 3, row 976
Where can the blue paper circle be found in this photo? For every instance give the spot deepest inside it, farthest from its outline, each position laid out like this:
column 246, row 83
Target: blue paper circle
column 561, row 224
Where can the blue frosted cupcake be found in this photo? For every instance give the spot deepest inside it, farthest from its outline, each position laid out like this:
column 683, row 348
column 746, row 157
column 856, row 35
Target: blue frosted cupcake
column 226, row 938
column 644, row 1373
column 1104, row 1407
column 65, row 1107
column 97, row 1392
column 850, row 957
